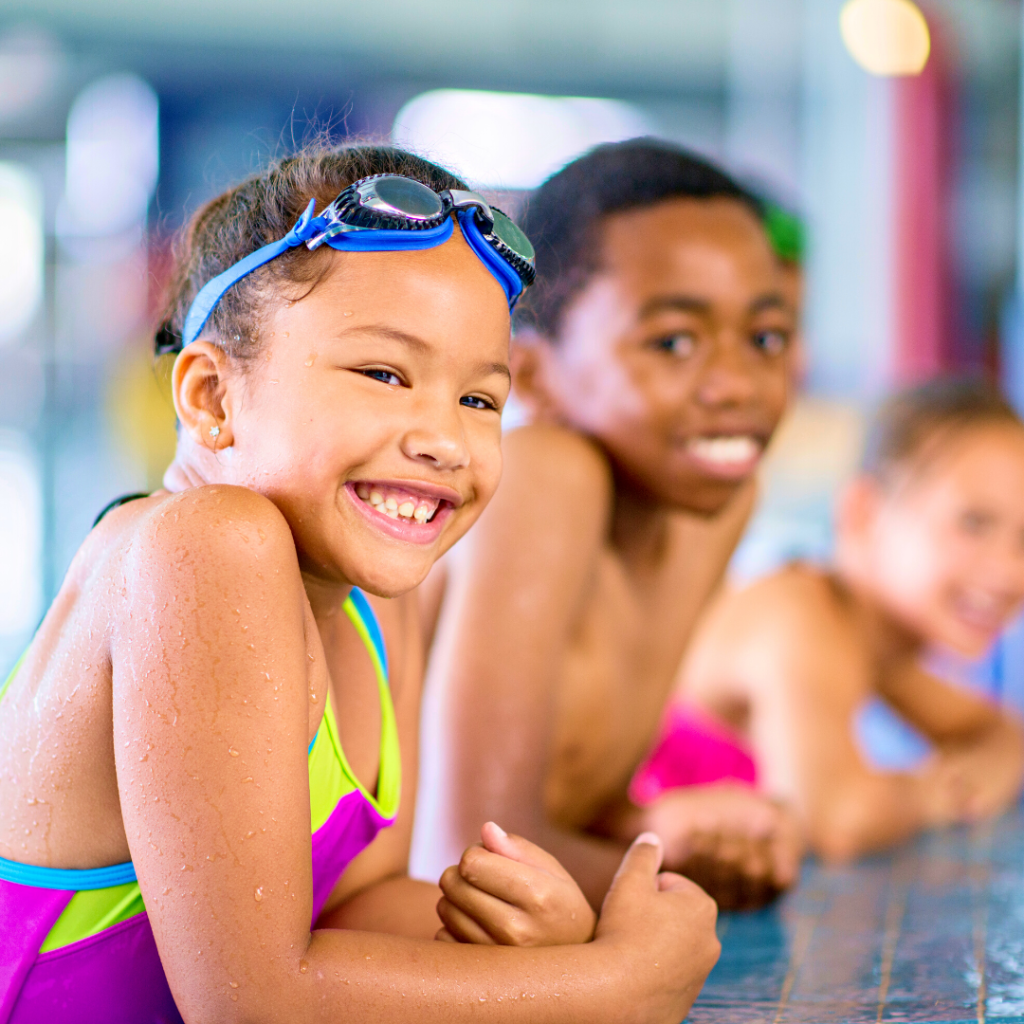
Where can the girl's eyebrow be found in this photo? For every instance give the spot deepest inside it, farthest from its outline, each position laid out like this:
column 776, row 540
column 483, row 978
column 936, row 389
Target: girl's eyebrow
column 404, row 338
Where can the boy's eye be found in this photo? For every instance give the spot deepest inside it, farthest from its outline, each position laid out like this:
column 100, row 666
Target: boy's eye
column 974, row 522
column 476, row 402
column 682, row 344
column 772, row 343
column 384, row 376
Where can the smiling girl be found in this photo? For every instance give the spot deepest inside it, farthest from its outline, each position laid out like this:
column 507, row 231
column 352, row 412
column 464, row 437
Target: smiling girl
column 930, row 550
column 202, row 750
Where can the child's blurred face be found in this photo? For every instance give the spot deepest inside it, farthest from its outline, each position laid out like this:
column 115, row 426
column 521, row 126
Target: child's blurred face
column 674, row 356
column 371, row 416
column 947, row 545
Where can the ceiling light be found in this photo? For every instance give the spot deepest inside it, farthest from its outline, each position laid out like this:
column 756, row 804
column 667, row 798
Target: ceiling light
column 886, row 37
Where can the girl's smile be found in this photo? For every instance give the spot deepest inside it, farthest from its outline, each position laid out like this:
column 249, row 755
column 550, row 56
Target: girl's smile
column 414, row 512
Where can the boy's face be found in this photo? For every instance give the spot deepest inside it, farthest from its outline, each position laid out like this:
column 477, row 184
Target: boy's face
column 674, row 356
column 947, row 547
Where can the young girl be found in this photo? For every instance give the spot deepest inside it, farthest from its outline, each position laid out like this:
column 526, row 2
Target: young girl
column 196, row 755
column 930, row 550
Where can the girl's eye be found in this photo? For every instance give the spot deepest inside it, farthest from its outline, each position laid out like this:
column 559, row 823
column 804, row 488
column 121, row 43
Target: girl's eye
column 384, row 376
column 476, row 402
column 771, row 343
column 682, row 344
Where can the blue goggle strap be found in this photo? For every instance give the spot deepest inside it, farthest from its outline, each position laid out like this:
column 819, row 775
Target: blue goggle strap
column 379, row 240
column 509, row 280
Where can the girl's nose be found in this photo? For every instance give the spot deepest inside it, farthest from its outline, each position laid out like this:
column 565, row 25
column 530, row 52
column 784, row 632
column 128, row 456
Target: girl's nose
column 438, row 439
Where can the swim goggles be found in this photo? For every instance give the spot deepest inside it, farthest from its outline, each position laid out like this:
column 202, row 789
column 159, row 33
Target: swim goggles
column 389, row 213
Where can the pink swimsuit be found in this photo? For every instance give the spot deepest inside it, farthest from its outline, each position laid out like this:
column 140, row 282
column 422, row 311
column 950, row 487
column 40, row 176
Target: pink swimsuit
column 692, row 749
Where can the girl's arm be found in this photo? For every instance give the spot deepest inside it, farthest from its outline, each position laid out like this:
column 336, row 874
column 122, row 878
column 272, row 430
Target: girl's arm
column 980, row 767
column 784, row 649
column 211, row 725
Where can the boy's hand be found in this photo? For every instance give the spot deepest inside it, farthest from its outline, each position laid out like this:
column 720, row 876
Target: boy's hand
column 738, row 845
column 507, row 891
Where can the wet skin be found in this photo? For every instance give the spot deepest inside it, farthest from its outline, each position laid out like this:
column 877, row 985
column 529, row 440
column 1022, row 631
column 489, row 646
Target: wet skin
column 615, row 519
column 937, row 557
column 164, row 710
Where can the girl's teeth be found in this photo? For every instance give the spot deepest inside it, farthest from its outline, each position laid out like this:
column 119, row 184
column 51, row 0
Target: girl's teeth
column 397, row 507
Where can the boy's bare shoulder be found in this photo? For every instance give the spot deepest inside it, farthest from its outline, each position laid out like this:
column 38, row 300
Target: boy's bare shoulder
column 556, row 456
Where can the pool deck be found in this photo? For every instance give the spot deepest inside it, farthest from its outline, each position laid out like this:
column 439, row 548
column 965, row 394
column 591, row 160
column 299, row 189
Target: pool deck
column 932, row 932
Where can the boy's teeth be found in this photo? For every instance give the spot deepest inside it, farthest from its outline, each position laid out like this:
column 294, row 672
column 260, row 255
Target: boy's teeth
column 725, row 450
column 402, row 506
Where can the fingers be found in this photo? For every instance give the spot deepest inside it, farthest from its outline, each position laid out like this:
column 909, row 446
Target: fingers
column 489, row 915
column 460, row 926
column 504, row 879
column 516, row 848
column 640, row 865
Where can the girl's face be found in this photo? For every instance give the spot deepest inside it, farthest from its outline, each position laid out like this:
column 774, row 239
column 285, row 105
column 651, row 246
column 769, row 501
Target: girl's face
column 947, row 546
column 675, row 355
column 372, row 414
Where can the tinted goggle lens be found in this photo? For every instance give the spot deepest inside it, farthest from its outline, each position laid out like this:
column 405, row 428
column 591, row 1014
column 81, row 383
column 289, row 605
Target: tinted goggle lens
column 506, row 231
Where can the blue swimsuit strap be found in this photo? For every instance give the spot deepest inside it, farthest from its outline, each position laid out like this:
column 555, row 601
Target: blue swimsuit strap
column 80, row 879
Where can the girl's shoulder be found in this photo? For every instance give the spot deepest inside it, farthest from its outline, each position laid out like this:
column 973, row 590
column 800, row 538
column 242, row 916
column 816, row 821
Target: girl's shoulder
column 794, row 602
column 200, row 532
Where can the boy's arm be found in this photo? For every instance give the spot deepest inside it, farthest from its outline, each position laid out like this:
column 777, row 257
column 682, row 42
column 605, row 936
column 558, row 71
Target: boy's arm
column 980, row 767
column 515, row 586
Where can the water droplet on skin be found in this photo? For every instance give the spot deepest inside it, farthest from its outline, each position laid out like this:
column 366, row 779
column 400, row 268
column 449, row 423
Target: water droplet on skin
column 234, row 997
column 311, row 359
column 303, row 967
column 248, row 778
column 348, row 312
column 233, row 984
column 232, row 752
column 258, row 895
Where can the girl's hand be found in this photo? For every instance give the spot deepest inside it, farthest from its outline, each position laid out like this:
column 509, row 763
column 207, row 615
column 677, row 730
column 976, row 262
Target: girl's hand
column 507, row 891
column 661, row 926
column 740, row 846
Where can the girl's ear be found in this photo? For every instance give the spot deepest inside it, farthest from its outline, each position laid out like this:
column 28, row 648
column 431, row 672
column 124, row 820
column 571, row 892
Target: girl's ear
column 531, row 359
column 199, row 387
column 857, row 508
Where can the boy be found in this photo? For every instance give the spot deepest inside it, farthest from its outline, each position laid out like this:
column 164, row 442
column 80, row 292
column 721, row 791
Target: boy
column 653, row 359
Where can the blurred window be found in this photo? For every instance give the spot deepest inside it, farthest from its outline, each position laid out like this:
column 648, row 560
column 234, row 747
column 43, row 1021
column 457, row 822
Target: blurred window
column 21, row 251
column 500, row 140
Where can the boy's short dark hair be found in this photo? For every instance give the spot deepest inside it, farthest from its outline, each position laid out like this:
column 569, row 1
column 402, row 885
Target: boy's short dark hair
column 916, row 423
column 562, row 216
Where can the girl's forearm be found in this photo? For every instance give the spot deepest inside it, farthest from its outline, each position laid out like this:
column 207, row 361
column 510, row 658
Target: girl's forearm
column 365, row 978
column 395, row 906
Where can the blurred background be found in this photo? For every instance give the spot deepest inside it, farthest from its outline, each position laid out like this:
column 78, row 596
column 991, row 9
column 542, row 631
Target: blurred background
column 892, row 133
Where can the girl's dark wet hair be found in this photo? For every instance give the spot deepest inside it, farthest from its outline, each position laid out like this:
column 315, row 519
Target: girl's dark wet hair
column 916, row 424
column 562, row 217
column 262, row 209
